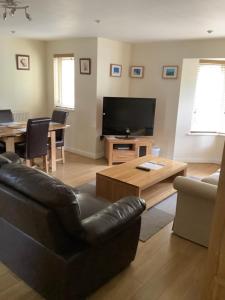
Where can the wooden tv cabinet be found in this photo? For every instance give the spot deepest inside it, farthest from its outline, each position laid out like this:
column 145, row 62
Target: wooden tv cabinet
column 119, row 150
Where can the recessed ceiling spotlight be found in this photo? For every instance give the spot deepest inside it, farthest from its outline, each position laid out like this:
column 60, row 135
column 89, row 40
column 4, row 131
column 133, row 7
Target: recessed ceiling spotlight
column 97, row 21
column 209, row 31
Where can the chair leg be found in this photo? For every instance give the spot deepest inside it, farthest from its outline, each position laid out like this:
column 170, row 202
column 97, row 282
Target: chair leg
column 63, row 154
column 28, row 162
column 45, row 163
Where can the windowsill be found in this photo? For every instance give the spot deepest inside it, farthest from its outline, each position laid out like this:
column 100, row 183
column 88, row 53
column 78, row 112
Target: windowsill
column 65, row 108
column 205, row 134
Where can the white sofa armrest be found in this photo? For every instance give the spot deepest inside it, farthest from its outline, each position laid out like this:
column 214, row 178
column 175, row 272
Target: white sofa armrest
column 195, row 188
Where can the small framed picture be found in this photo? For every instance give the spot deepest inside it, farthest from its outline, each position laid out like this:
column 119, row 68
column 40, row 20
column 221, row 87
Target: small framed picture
column 85, row 66
column 137, row 71
column 170, row 72
column 22, row 62
column 115, row 70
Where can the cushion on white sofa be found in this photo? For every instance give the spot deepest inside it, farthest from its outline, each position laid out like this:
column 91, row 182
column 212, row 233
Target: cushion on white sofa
column 213, row 178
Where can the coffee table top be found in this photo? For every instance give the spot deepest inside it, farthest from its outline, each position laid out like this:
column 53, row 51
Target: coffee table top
column 128, row 173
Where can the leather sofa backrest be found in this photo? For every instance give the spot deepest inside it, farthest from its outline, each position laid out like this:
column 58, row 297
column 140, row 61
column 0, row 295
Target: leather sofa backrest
column 47, row 191
column 36, row 221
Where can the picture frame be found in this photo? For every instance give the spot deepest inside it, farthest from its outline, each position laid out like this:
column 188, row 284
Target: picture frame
column 115, row 70
column 23, row 62
column 85, row 66
column 137, row 71
column 170, row 72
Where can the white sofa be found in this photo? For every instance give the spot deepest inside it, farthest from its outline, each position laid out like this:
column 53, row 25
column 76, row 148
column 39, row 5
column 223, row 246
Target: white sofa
column 195, row 205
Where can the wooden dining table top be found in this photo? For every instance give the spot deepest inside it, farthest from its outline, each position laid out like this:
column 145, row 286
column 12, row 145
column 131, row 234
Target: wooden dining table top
column 18, row 128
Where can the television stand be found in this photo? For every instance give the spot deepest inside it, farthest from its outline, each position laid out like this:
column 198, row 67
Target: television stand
column 125, row 137
column 119, row 150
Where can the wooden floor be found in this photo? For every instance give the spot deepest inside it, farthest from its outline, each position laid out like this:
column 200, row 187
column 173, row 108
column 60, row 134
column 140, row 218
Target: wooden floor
column 166, row 267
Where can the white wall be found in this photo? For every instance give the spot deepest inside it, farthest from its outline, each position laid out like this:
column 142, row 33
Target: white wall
column 23, row 90
column 110, row 52
column 153, row 56
column 81, row 136
column 170, row 124
column 195, row 148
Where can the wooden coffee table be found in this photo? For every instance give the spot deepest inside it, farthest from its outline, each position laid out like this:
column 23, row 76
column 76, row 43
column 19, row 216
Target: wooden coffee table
column 125, row 180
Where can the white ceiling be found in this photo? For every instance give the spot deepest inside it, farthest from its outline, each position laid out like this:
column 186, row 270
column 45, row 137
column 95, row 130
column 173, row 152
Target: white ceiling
column 127, row 20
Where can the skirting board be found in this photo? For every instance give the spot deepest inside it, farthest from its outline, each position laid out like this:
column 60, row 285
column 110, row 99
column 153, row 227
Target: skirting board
column 84, row 153
column 198, row 160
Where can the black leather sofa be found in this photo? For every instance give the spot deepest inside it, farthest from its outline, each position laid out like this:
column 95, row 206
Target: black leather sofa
column 62, row 243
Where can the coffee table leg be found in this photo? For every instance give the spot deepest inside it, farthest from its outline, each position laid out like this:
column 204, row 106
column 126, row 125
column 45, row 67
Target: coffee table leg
column 183, row 172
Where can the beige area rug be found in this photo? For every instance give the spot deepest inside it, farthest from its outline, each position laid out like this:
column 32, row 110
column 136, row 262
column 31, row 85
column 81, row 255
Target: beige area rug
column 157, row 217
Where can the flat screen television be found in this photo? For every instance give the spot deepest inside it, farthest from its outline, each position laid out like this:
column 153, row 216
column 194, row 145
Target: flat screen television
column 128, row 116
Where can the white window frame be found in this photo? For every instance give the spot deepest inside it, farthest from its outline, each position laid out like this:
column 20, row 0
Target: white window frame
column 57, row 78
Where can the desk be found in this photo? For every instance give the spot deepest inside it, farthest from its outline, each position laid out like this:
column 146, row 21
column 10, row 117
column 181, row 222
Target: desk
column 13, row 132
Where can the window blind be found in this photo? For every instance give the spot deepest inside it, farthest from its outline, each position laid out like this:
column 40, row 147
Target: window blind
column 209, row 103
column 64, row 80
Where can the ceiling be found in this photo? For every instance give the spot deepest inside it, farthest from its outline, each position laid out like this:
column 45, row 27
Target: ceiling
column 127, row 20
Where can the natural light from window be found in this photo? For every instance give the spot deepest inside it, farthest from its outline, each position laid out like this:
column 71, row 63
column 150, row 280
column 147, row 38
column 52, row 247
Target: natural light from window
column 208, row 112
column 64, row 79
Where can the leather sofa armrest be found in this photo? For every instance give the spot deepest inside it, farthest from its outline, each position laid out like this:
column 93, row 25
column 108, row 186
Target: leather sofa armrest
column 195, row 188
column 111, row 220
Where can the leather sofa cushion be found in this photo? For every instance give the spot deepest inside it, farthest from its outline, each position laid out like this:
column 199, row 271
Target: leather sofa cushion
column 48, row 191
column 89, row 205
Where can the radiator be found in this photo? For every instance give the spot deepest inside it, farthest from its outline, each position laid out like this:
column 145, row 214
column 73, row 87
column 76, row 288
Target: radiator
column 20, row 116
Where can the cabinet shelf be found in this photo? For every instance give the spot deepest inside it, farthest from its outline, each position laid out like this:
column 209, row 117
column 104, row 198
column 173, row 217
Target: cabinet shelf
column 120, row 150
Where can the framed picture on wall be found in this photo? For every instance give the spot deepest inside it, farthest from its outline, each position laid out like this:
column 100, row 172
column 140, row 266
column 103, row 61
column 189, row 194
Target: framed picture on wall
column 85, row 66
column 137, row 71
column 22, row 62
column 170, row 72
column 115, row 70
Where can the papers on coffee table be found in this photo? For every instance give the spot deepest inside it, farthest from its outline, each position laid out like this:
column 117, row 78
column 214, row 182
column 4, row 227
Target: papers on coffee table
column 150, row 165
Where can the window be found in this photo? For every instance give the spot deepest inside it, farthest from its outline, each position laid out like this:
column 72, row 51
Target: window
column 209, row 103
column 64, row 81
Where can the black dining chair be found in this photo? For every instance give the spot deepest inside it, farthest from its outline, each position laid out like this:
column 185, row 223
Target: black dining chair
column 36, row 141
column 6, row 116
column 60, row 116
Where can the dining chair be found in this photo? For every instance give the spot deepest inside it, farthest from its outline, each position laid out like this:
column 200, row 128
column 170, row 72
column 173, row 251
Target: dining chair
column 6, row 116
column 36, row 140
column 60, row 116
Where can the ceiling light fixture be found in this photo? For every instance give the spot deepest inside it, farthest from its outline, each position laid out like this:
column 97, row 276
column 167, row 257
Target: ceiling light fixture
column 10, row 8
column 12, row 11
column 5, row 15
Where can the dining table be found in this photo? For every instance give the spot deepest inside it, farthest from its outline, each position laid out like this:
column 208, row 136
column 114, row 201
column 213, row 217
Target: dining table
column 13, row 132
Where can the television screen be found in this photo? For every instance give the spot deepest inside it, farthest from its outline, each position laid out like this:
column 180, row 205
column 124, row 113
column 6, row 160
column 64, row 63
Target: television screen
column 128, row 116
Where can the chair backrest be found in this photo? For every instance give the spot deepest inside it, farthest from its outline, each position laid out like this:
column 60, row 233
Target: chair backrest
column 6, row 116
column 37, row 137
column 60, row 116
